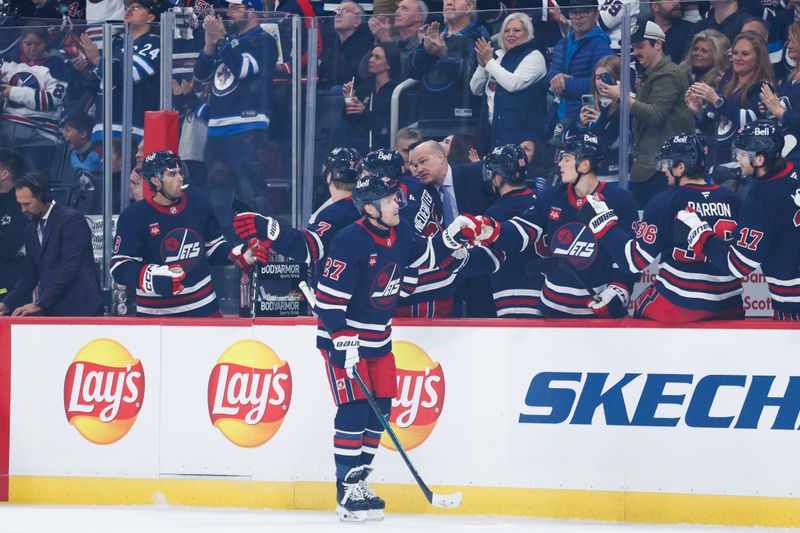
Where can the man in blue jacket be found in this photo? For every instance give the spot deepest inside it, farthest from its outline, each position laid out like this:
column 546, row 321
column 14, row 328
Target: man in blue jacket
column 575, row 56
column 444, row 62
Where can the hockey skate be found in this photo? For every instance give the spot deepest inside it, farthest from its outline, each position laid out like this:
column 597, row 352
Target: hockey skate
column 376, row 504
column 350, row 503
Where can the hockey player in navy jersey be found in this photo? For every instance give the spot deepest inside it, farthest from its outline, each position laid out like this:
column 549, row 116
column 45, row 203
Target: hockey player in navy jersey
column 515, row 294
column 361, row 283
column 310, row 244
column 166, row 242
column 560, row 225
column 432, row 295
column 768, row 234
column 688, row 287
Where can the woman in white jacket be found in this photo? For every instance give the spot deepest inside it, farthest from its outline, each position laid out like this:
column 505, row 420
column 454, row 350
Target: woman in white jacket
column 512, row 81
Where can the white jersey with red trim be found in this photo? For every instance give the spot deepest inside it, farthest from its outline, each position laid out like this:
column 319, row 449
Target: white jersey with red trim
column 185, row 234
column 37, row 88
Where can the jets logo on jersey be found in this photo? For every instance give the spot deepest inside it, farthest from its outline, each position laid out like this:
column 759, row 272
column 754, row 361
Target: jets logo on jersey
column 182, row 246
column 22, row 79
column 575, row 242
column 385, row 288
column 224, row 80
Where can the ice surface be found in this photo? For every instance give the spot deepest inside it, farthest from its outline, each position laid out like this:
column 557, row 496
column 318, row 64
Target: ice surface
column 162, row 519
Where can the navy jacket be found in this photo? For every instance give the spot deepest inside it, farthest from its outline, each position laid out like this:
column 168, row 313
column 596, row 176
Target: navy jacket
column 445, row 91
column 63, row 267
column 516, row 116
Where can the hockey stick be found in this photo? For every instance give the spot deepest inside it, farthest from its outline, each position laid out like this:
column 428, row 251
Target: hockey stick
column 547, row 264
column 446, row 501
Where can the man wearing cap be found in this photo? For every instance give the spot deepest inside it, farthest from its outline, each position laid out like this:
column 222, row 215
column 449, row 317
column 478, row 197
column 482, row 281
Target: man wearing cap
column 657, row 111
column 239, row 64
column 139, row 15
column 575, row 56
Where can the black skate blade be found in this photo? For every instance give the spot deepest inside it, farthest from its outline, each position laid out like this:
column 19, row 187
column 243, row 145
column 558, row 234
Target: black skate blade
column 446, row 501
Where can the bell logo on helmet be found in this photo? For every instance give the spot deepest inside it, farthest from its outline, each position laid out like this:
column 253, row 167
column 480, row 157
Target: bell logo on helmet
column 680, row 139
column 758, row 130
column 590, row 138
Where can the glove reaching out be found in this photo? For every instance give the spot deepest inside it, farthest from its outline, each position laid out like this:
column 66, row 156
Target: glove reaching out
column 597, row 215
column 251, row 224
column 612, row 302
column 163, row 280
column 345, row 345
column 246, row 257
column 463, row 230
column 689, row 229
column 489, row 231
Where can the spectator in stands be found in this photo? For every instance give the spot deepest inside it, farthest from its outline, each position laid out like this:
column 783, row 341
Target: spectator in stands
column 59, row 278
column 757, row 26
column 541, row 164
column 139, row 14
column 367, row 103
column 240, row 64
column 403, row 140
column 460, row 149
column 786, row 104
column 86, row 162
column 779, row 37
column 575, row 57
column 137, row 180
column 739, row 100
column 512, row 85
column 726, row 17
column 32, row 86
column 602, row 119
column 669, row 17
column 657, row 111
column 52, row 9
column 610, row 21
column 708, row 60
column 443, row 62
column 12, row 222
column 402, row 29
column 342, row 54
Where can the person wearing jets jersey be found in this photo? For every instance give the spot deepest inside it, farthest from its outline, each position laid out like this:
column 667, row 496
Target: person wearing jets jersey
column 166, row 242
column 768, row 234
column 310, row 244
column 561, row 225
column 688, row 287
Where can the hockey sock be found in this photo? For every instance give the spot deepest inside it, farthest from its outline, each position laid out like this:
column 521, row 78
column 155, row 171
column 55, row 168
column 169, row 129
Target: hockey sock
column 349, row 424
column 373, row 432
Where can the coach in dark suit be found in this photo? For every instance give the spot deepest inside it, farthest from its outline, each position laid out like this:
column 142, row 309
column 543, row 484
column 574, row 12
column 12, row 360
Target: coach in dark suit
column 59, row 262
column 461, row 190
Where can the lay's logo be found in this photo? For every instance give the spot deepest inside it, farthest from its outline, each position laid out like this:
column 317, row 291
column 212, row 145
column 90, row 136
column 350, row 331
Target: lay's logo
column 103, row 391
column 420, row 396
column 249, row 393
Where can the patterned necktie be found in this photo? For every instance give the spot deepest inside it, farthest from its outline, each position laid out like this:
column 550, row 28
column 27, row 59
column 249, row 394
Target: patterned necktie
column 447, row 202
column 40, row 230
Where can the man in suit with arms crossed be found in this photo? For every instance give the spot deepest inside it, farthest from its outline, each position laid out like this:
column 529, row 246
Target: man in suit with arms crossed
column 59, row 261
